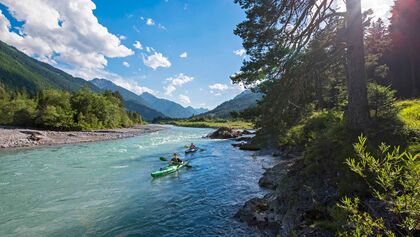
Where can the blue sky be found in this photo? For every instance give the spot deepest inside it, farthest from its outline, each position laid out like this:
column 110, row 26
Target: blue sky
column 200, row 31
column 182, row 50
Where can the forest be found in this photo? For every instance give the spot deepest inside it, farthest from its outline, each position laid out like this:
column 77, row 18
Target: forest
column 342, row 88
column 62, row 110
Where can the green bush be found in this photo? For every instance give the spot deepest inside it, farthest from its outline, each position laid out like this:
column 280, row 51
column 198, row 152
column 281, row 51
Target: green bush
column 311, row 128
column 17, row 111
column 410, row 113
column 55, row 109
column 394, row 180
column 381, row 101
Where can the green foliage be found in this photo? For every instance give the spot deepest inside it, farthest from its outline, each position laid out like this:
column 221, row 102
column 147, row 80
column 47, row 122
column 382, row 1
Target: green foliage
column 394, row 180
column 19, row 111
column 362, row 222
column 21, row 72
column 54, row 109
column 410, row 113
column 311, row 128
column 381, row 101
column 201, row 122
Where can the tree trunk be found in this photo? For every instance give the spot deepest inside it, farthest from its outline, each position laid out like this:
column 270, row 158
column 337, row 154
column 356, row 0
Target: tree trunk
column 357, row 114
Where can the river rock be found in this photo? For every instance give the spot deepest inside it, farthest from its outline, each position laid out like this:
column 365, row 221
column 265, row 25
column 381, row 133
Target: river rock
column 272, row 176
column 247, row 132
column 224, row 133
column 256, row 212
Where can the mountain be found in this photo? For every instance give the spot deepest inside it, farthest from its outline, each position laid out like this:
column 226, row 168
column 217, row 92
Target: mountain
column 148, row 104
column 167, row 107
column 247, row 99
column 21, row 72
column 196, row 111
column 132, row 102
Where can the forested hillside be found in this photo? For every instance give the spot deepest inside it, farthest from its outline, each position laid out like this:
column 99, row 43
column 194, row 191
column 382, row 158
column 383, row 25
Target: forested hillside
column 167, row 107
column 245, row 100
column 132, row 101
column 333, row 79
column 21, row 72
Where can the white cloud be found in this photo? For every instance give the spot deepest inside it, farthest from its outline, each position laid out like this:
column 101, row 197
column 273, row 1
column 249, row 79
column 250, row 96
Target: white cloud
column 240, row 52
column 160, row 26
column 184, row 99
column 183, row 55
column 126, row 64
column 150, row 22
column 138, row 45
column 132, row 86
column 122, row 37
column 66, row 32
column 156, row 60
column 219, row 87
column 178, row 80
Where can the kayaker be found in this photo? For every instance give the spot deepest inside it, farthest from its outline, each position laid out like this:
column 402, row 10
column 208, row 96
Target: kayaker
column 175, row 160
column 192, row 146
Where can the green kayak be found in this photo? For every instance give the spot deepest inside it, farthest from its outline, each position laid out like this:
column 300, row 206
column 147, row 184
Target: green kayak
column 168, row 169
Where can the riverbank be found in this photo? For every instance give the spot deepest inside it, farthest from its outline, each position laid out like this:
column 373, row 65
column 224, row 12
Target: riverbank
column 209, row 123
column 12, row 137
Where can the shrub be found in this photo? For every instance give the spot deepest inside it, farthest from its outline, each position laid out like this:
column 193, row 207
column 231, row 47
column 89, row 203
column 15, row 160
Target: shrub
column 381, row 101
column 311, row 128
column 394, row 180
column 410, row 113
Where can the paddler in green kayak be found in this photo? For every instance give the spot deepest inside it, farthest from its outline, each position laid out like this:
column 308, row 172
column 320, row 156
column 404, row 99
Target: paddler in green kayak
column 175, row 160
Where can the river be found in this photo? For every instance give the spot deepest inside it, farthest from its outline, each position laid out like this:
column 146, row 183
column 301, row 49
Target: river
column 105, row 188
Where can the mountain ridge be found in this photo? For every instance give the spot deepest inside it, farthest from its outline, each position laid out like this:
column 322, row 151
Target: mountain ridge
column 244, row 100
column 133, row 101
column 19, row 71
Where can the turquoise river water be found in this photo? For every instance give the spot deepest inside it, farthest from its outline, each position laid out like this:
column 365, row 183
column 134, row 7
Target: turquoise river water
column 105, row 188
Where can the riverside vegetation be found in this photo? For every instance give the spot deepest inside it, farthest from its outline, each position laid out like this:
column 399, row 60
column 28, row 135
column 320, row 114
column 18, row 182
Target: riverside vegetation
column 325, row 83
column 210, row 123
column 62, row 110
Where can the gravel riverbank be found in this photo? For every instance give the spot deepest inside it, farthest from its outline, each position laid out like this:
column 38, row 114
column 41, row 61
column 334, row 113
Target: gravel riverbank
column 12, row 137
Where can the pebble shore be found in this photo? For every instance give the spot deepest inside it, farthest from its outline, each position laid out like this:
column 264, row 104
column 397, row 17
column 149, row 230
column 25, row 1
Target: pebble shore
column 12, row 137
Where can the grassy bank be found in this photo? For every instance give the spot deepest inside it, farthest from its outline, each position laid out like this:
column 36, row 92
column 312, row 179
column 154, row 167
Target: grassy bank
column 328, row 144
column 210, row 123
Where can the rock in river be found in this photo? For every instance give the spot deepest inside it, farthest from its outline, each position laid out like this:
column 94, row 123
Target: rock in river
column 224, row 133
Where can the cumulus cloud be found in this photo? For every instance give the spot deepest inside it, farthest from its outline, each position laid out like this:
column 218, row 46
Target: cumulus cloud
column 132, row 86
column 150, row 22
column 183, row 55
column 240, row 52
column 184, row 99
column 126, row 64
column 219, row 87
column 66, row 32
column 156, row 60
column 138, row 45
column 176, row 81
column 122, row 37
